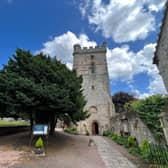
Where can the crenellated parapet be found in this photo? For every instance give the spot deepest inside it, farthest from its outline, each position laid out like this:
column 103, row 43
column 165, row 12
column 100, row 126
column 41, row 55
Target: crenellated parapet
column 97, row 49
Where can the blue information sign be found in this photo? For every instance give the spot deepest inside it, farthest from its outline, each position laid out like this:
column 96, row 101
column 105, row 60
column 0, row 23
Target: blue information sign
column 40, row 129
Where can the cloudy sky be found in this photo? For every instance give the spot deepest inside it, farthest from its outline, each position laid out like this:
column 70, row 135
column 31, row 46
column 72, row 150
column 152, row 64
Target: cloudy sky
column 130, row 28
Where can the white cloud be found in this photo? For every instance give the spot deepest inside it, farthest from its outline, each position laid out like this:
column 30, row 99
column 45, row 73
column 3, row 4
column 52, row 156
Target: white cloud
column 155, row 5
column 120, row 63
column 122, row 20
column 84, row 6
column 123, row 64
column 140, row 95
column 62, row 46
column 156, row 85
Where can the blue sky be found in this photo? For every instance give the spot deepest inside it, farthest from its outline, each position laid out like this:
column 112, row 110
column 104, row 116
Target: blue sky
column 129, row 27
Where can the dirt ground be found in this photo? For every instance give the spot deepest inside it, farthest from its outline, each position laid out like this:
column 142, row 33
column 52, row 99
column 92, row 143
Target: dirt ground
column 63, row 151
column 10, row 152
column 9, row 157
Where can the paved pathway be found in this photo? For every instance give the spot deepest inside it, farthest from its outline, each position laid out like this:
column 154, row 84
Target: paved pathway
column 111, row 157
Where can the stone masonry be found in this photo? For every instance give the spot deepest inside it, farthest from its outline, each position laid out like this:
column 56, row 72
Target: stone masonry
column 161, row 53
column 129, row 124
column 92, row 65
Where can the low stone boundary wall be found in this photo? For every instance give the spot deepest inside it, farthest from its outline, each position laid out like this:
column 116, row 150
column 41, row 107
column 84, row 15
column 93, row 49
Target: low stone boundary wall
column 6, row 130
column 129, row 123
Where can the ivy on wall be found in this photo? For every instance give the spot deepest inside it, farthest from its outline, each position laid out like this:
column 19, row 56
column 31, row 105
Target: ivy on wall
column 148, row 110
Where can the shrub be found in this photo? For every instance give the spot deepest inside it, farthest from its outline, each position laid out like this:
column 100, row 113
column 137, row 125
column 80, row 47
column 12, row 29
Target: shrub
column 106, row 133
column 71, row 130
column 122, row 141
column 135, row 150
column 145, row 150
column 111, row 134
column 87, row 132
column 114, row 137
column 132, row 141
column 118, row 139
column 39, row 143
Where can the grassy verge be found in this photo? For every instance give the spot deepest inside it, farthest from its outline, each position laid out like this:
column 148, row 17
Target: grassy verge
column 13, row 123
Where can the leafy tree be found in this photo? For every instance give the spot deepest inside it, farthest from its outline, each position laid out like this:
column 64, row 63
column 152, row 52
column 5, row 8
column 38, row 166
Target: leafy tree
column 41, row 88
column 148, row 110
column 120, row 99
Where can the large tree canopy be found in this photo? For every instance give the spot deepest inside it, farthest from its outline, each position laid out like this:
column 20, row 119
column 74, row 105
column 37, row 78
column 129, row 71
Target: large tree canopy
column 42, row 88
column 120, row 99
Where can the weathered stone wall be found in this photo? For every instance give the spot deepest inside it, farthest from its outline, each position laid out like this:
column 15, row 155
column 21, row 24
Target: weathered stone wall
column 92, row 65
column 164, row 123
column 130, row 124
column 162, row 50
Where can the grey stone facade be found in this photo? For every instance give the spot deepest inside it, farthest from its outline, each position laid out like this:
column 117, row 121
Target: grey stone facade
column 92, row 65
column 164, row 122
column 161, row 53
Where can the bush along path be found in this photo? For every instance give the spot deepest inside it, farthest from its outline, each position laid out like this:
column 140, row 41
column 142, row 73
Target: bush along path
column 153, row 155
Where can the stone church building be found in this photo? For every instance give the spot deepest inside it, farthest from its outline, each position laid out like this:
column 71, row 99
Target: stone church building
column 91, row 63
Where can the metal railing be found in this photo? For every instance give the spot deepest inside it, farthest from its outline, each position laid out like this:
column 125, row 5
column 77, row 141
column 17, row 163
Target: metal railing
column 159, row 155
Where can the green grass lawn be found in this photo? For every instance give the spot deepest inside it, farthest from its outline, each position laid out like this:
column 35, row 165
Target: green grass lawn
column 13, row 123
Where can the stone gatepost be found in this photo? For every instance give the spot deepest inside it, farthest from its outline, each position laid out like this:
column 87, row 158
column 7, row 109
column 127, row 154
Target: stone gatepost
column 164, row 123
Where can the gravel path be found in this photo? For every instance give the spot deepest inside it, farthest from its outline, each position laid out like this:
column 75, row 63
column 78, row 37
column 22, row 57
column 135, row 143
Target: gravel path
column 9, row 156
column 66, row 151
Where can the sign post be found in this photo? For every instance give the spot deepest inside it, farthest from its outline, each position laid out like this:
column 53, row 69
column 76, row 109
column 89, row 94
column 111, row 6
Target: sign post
column 39, row 130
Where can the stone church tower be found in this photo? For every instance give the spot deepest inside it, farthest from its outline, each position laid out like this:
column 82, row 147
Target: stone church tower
column 92, row 65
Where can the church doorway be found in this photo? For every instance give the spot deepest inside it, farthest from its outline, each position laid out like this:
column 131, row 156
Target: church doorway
column 95, row 128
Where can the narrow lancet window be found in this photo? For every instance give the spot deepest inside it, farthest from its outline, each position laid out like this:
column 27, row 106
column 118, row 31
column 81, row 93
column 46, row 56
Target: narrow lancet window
column 92, row 67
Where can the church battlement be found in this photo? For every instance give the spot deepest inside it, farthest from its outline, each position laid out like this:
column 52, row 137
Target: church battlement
column 79, row 50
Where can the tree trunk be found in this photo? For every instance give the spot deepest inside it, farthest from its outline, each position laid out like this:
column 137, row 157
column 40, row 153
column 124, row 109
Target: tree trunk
column 31, row 122
column 53, row 122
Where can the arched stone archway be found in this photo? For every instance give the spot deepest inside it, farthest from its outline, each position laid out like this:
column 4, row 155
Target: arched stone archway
column 95, row 128
column 93, row 109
